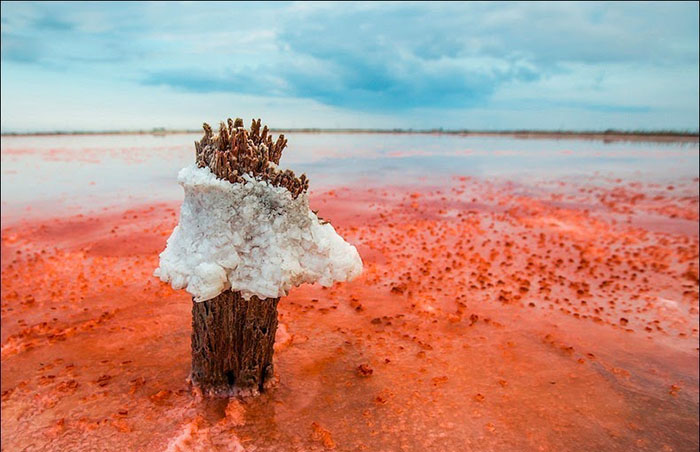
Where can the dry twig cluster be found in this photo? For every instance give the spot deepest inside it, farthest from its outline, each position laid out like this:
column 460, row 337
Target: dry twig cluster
column 234, row 151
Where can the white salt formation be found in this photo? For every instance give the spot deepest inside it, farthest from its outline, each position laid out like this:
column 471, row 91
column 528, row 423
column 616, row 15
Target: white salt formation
column 251, row 237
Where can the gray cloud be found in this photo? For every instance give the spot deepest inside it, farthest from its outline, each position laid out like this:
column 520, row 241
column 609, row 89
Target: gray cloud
column 361, row 56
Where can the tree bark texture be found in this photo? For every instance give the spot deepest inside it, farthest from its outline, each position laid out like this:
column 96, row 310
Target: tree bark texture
column 232, row 342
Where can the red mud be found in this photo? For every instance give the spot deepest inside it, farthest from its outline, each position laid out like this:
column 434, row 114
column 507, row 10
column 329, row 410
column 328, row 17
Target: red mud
column 486, row 319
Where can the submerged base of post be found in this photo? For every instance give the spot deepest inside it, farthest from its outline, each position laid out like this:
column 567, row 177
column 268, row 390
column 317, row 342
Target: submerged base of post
column 232, row 342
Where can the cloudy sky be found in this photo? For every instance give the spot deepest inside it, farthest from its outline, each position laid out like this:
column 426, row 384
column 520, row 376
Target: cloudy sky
column 576, row 66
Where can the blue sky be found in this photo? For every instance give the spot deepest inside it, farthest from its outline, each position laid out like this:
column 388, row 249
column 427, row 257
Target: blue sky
column 576, row 66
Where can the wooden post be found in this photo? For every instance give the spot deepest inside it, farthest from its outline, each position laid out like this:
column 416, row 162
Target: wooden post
column 233, row 338
column 232, row 342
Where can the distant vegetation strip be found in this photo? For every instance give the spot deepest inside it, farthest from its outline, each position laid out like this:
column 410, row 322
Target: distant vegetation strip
column 613, row 135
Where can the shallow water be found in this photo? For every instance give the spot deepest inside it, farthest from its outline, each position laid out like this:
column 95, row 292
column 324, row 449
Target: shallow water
column 83, row 173
column 517, row 295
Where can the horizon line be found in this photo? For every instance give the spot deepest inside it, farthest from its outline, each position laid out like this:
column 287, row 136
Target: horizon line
column 608, row 134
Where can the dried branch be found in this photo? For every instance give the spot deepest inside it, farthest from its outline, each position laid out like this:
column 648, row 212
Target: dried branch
column 236, row 151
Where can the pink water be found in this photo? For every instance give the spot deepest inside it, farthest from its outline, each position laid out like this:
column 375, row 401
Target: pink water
column 520, row 298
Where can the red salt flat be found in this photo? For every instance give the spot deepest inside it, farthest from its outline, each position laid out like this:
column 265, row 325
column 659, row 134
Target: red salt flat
column 485, row 319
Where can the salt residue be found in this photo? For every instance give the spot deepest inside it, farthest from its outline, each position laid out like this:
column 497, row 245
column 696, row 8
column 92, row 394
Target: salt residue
column 253, row 238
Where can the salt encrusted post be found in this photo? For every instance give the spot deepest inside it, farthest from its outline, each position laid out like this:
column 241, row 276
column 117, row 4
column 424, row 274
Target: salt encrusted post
column 246, row 236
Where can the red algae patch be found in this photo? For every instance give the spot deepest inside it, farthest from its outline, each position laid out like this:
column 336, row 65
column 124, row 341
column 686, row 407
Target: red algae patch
column 488, row 317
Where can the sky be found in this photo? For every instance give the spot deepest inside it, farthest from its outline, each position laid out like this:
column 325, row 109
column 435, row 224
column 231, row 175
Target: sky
column 479, row 66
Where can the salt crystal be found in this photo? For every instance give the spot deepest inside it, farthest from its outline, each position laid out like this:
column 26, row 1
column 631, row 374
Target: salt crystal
column 251, row 237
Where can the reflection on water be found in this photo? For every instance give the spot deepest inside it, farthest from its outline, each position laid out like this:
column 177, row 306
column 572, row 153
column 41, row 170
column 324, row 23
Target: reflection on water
column 83, row 173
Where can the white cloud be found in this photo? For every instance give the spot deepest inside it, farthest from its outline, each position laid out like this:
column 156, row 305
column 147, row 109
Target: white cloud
column 365, row 64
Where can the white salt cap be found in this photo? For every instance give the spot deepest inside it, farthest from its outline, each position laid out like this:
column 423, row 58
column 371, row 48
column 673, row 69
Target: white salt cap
column 251, row 237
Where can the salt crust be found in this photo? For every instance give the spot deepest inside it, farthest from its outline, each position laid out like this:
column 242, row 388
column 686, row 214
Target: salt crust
column 250, row 237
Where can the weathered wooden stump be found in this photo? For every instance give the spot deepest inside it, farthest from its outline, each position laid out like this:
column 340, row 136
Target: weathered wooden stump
column 233, row 338
column 232, row 342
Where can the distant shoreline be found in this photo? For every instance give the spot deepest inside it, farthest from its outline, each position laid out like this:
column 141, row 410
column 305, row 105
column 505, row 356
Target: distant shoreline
column 608, row 135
